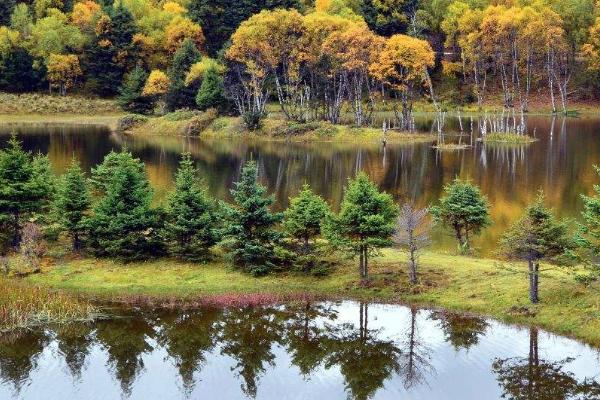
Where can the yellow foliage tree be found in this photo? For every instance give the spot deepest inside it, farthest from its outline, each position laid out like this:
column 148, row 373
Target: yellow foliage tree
column 179, row 29
column 62, row 71
column 8, row 40
column 84, row 15
column 198, row 70
column 401, row 66
column 157, row 84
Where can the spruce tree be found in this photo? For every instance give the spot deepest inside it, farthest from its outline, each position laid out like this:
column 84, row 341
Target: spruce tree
column 192, row 222
column 72, row 203
column 123, row 223
column 26, row 186
column 212, row 92
column 536, row 236
column 251, row 230
column 305, row 217
column 365, row 223
column 179, row 94
column 131, row 98
column 6, row 9
column 588, row 236
column 17, row 74
column 464, row 209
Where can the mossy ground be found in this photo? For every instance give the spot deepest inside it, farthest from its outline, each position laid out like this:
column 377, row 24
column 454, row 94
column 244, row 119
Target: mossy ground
column 458, row 283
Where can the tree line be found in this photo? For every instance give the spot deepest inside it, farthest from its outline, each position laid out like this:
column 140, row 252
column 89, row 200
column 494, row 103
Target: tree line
column 315, row 58
column 112, row 214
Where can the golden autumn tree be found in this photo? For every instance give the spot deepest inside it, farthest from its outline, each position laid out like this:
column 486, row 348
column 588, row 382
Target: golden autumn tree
column 180, row 29
column 84, row 15
column 157, row 84
column 352, row 51
column 401, row 66
column 62, row 71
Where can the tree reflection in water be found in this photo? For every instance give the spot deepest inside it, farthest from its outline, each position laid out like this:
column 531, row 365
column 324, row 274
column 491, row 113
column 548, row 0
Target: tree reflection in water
column 364, row 349
column 532, row 378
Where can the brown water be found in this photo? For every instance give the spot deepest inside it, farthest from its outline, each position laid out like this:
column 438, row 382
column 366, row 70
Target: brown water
column 328, row 351
column 560, row 163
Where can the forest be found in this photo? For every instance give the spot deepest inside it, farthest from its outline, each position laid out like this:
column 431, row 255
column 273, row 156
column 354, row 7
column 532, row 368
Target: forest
column 315, row 59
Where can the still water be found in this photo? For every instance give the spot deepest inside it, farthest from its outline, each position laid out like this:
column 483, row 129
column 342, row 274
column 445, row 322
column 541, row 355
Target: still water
column 560, row 163
column 328, row 351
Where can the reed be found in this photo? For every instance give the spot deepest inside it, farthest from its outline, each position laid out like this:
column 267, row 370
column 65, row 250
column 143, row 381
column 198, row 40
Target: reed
column 24, row 306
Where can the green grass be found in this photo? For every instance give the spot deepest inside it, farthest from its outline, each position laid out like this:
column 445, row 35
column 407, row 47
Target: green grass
column 24, row 306
column 508, row 138
column 44, row 104
column 458, row 283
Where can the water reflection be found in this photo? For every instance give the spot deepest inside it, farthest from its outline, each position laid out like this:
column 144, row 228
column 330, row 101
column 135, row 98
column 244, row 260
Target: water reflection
column 560, row 163
column 307, row 350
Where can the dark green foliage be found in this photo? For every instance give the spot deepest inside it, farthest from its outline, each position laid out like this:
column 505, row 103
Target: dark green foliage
column 588, row 236
column 250, row 233
column 192, row 221
column 179, row 95
column 220, row 18
column 536, row 236
column 123, row 223
column 464, row 209
column 305, row 217
column 6, row 9
column 253, row 120
column 212, row 92
column 366, row 221
column 17, row 74
column 72, row 203
column 26, row 187
column 388, row 22
column 131, row 98
column 105, row 66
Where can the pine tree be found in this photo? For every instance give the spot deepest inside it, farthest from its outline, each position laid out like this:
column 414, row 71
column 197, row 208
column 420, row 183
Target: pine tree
column 131, row 98
column 6, row 9
column 464, row 209
column 588, row 236
column 536, row 236
column 192, row 222
column 212, row 92
column 123, row 223
column 26, row 187
column 72, row 203
column 305, row 217
column 365, row 223
column 17, row 74
column 179, row 95
column 250, row 233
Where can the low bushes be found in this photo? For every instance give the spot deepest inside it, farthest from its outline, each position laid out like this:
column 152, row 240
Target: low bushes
column 35, row 103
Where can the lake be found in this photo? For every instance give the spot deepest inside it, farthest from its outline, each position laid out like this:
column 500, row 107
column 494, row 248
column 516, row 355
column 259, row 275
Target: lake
column 342, row 350
column 560, row 163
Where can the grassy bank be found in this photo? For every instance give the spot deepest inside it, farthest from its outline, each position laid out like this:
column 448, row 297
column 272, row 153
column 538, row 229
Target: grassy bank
column 44, row 104
column 23, row 305
column 508, row 138
column 208, row 125
column 482, row 286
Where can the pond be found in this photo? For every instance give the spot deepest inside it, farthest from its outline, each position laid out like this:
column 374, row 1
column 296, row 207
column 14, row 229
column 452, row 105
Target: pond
column 560, row 163
column 301, row 351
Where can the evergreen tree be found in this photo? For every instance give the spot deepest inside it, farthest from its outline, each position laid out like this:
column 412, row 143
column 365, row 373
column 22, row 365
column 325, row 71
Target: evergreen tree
column 220, row 18
column 6, row 9
column 305, row 217
column 192, row 222
column 536, row 236
column 365, row 222
column 179, row 95
column 250, row 233
column 131, row 98
column 588, row 236
column 111, row 53
column 212, row 92
column 72, row 203
column 464, row 209
column 123, row 223
column 25, row 188
column 17, row 74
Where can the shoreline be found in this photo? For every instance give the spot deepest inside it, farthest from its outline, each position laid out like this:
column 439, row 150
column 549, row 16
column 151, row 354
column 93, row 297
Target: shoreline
column 478, row 286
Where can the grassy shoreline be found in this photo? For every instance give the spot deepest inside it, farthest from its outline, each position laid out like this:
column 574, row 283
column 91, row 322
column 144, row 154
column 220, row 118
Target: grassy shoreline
column 456, row 283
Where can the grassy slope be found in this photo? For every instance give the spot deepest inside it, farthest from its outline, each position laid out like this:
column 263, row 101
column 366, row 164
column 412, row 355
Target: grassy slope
column 482, row 286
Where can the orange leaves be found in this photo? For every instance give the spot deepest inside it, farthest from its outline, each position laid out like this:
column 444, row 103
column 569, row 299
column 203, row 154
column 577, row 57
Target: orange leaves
column 402, row 61
column 353, row 49
column 62, row 70
column 84, row 14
